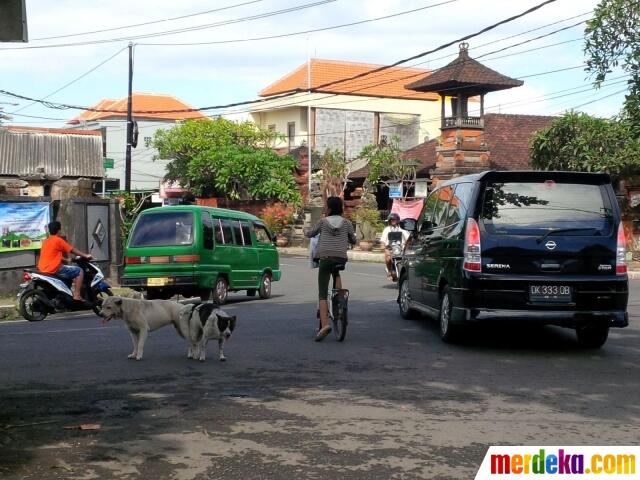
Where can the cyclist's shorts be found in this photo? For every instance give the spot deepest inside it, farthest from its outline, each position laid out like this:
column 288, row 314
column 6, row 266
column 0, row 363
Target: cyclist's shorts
column 324, row 274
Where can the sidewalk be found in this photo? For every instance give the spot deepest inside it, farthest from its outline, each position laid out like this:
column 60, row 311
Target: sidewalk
column 354, row 255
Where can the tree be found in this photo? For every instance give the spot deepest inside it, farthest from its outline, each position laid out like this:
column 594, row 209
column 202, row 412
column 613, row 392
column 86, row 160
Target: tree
column 387, row 164
column 335, row 173
column 224, row 158
column 580, row 142
column 612, row 39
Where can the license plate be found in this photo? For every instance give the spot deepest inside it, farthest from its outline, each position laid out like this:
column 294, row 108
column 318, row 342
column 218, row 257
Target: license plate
column 157, row 282
column 550, row 293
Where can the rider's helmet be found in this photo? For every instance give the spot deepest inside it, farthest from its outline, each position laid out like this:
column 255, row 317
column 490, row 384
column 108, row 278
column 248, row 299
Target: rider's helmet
column 393, row 216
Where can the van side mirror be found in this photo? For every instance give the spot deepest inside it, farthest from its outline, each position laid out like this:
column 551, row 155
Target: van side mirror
column 408, row 224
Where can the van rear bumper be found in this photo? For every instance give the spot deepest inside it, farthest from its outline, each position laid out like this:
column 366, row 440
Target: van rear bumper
column 561, row 318
column 141, row 282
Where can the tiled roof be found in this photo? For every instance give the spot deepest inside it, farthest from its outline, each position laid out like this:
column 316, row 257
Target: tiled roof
column 464, row 72
column 507, row 137
column 141, row 102
column 389, row 83
column 59, row 131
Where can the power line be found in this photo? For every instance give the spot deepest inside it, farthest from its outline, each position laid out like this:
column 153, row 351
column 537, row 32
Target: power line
column 303, row 32
column 71, row 82
column 289, row 94
column 152, row 22
column 180, row 30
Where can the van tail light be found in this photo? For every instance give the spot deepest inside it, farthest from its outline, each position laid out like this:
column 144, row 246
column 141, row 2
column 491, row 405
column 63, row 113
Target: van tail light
column 472, row 249
column 621, row 252
column 186, row 258
column 133, row 260
column 26, row 276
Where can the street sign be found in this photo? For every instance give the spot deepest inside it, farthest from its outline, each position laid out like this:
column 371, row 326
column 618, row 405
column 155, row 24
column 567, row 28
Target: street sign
column 421, row 189
column 107, row 162
column 395, row 190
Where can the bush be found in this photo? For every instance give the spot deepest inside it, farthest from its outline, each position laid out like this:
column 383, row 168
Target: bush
column 276, row 216
column 368, row 220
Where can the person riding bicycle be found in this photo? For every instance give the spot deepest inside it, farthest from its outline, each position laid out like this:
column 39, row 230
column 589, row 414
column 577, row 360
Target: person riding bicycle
column 336, row 233
column 394, row 226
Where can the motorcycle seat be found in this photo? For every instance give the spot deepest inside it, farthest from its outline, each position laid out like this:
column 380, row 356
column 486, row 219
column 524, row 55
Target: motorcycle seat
column 52, row 275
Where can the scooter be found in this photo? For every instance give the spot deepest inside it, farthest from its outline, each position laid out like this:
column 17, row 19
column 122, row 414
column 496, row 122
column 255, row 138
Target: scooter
column 43, row 294
column 395, row 246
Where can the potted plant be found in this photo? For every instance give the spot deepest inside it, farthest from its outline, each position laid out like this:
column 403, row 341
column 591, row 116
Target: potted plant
column 368, row 225
column 276, row 217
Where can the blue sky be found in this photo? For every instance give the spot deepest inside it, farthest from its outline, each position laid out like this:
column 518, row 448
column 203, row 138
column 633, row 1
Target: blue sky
column 218, row 74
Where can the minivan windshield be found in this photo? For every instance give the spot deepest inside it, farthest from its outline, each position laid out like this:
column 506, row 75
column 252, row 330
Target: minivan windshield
column 163, row 229
column 532, row 208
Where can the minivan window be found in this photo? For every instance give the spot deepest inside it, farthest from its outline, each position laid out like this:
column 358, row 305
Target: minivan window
column 537, row 207
column 224, row 235
column 246, row 233
column 207, row 231
column 427, row 211
column 163, row 229
column 237, row 233
column 440, row 213
column 262, row 234
column 459, row 202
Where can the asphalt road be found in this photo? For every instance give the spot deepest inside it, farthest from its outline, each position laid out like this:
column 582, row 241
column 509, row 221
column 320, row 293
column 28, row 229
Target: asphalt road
column 392, row 402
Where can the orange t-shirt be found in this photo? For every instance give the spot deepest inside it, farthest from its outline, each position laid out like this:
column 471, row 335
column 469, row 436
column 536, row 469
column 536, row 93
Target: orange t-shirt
column 51, row 254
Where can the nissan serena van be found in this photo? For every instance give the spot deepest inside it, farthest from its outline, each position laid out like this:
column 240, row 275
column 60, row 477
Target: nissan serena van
column 199, row 251
column 531, row 246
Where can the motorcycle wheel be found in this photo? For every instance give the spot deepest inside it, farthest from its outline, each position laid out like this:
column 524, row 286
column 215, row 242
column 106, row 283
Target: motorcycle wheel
column 32, row 308
column 97, row 308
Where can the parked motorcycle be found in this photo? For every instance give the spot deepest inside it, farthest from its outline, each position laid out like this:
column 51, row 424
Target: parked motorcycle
column 395, row 246
column 43, row 294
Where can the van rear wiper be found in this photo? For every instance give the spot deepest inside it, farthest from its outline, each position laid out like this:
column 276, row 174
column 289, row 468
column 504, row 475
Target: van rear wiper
column 565, row 230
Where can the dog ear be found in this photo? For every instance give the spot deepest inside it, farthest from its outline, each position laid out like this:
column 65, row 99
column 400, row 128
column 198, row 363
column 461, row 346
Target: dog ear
column 117, row 301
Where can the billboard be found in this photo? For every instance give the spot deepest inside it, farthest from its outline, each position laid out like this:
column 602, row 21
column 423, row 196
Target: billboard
column 23, row 225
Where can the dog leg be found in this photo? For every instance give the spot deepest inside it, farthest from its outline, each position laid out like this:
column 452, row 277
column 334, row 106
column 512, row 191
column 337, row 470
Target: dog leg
column 134, row 340
column 202, row 349
column 221, row 356
column 142, row 338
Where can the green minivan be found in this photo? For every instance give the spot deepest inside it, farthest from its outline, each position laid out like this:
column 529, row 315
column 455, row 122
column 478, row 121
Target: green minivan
column 199, row 251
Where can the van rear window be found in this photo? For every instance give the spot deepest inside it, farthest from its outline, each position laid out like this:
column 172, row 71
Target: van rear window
column 536, row 207
column 163, row 229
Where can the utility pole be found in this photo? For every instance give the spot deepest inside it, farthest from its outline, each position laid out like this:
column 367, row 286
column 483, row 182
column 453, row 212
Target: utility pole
column 309, row 117
column 127, row 158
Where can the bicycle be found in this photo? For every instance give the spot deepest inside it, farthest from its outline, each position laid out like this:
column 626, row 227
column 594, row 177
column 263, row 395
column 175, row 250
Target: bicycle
column 338, row 307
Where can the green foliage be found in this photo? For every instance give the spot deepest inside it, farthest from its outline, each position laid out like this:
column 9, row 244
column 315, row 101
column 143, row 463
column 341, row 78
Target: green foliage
column 612, row 39
column 229, row 159
column 386, row 163
column 335, row 172
column 580, row 142
column 368, row 221
column 129, row 208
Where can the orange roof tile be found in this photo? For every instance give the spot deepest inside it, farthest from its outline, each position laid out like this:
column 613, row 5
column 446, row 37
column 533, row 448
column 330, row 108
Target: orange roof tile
column 141, row 102
column 388, row 83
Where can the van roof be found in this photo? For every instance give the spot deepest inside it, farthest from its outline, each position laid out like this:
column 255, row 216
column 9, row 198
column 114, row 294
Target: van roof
column 531, row 175
column 221, row 212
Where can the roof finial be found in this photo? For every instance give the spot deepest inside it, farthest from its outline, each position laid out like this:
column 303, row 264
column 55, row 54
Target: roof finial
column 464, row 47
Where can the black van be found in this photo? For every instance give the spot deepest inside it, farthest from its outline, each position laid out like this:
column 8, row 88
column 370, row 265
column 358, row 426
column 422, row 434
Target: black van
column 544, row 247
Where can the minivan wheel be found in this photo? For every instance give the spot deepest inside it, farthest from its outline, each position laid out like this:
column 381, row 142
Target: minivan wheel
column 220, row 291
column 404, row 302
column 265, row 286
column 448, row 332
column 592, row 336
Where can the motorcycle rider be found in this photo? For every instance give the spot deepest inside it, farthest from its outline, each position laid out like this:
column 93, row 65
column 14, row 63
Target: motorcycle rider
column 394, row 226
column 54, row 248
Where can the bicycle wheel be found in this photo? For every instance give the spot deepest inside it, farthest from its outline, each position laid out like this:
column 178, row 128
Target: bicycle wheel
column 340, row 318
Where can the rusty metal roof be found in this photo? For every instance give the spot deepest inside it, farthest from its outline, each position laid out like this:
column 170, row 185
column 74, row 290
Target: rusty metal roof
column 50, row 155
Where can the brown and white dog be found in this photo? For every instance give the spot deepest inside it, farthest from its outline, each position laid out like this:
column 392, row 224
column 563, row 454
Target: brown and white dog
column 199, row 324
column 142, row 316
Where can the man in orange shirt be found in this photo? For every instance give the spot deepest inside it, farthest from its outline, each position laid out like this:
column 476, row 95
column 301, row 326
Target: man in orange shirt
column 54, row 248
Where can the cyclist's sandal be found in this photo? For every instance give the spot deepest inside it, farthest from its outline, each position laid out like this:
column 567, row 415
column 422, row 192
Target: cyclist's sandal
column 323, row 332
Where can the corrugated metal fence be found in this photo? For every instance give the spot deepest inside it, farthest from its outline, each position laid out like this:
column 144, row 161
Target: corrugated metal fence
column 63, row 155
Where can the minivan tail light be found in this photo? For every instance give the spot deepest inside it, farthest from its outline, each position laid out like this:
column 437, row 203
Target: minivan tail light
column 133, row 260
column 186, row 258
column 621, row 252
column 472, row 249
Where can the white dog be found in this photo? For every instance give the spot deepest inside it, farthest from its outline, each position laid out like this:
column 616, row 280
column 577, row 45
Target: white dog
column 142, row 317
column 203, row 323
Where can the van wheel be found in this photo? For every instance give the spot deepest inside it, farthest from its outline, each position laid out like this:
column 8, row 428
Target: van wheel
column 592, row 336
column 404, row 300
column 448, row 332
column 265, row 286
column 220, row 291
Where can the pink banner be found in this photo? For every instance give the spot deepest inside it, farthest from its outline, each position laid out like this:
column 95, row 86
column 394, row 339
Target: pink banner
column 407, row 208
